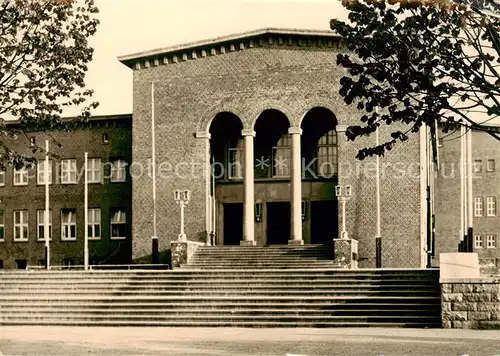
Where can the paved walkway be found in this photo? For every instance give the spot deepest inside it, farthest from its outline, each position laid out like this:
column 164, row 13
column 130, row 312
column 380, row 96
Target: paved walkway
column 71, row 341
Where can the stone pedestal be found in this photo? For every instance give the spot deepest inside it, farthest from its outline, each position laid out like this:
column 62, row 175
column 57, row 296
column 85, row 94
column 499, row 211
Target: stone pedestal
column 459, row 265
column 345, row 253
column 182, row 251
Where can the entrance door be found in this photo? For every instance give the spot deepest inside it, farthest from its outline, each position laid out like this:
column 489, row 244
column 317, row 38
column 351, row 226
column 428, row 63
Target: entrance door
column 278, row 223
column 324, row 221
column 233, row 223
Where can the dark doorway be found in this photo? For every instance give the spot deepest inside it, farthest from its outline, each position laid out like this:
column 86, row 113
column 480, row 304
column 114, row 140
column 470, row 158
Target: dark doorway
column 278, row 223
column 324, row 221
column 233, row 223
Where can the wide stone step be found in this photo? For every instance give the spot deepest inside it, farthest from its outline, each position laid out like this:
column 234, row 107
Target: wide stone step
column 218, row 324
column 225, row 298
column 193, row 317
column 50, row 283
column 226, row 306
column 264, row 286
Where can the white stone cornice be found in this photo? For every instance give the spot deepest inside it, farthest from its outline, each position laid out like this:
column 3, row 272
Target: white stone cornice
column 203, row 134
column 341, row 128
column 248, row 132
column 295, row 131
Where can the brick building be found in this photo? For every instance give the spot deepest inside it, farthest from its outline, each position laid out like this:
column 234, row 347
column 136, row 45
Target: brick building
column 107, row 139
column 485, row 188
column 264, row 97
column 253, row 125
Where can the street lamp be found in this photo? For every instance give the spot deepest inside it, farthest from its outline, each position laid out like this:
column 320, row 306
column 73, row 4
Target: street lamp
column 344, row 193
column 182, row 198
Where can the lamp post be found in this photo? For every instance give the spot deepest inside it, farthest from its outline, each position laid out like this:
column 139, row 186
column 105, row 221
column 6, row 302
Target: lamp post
column 344, row 193
column 182, row 198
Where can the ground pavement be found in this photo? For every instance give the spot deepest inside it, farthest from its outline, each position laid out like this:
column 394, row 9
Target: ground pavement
column 128, row 341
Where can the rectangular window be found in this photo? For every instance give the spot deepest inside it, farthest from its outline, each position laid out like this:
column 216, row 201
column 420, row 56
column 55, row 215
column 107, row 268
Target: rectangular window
column 21, row 225
column 2, row 225
column 490, row 165
column 118, row 224
column 68, row 224
column 68, row 171
column 478, row 241
column 41, row 225
column 477, row 166
column 282, row 158
column 2, row 177
column 478, row 206
column 327, row 155
column 491, row 241
column 94, row 224
column 235, row 164
column 94, row 170
column 491, row 206
column 118, row 171
column 1, row 264
column 21, row 176
column 41, row 172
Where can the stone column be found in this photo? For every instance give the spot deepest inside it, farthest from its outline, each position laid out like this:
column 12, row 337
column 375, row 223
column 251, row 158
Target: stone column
column 343, row 156
column 296, row 188
column 248, row 186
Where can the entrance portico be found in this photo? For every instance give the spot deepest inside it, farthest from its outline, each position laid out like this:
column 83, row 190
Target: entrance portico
column 280, row 169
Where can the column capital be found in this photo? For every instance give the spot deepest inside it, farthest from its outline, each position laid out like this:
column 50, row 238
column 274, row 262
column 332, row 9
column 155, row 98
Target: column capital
column 248, row 132
column 341, row 128
column 295, row 131
column 203, row 134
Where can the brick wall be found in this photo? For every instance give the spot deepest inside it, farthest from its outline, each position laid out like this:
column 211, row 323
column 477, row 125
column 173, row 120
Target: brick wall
column 288, row 78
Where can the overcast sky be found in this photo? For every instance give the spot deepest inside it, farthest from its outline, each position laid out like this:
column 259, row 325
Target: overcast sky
column 130, row 26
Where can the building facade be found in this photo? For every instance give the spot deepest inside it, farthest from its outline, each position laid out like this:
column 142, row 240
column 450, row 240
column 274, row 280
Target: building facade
column 107, row 140
column 253, row 125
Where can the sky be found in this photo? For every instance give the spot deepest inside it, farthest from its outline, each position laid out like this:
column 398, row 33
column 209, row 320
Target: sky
column 131, row 26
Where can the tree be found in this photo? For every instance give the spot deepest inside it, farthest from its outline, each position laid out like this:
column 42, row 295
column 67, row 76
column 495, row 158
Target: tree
column 44, row 52
column 420, row 62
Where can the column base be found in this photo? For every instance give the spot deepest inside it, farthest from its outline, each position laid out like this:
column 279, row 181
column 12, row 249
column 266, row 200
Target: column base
column 248, row 243
column 295, row 242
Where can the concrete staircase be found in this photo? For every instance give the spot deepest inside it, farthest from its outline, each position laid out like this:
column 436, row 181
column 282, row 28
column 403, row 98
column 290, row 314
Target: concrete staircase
column 272, row 257
column 222, row 296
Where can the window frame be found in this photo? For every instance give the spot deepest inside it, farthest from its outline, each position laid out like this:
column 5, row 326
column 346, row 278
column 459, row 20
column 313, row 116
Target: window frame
column 93, row 171
column 478, row 241
column 330, row 135
column 42, row 224
column 478, row 206
column 116, row 168
column 111, row 223
column 23, row 172
column 284, row 144
column 66, row 173
column 493, row 210
column 91, row 224
column 477, row 166
column 24, row 223
column 491, row 241
column 40, row 172
column 2, row 178
column 68, row 224
column 490, row 168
